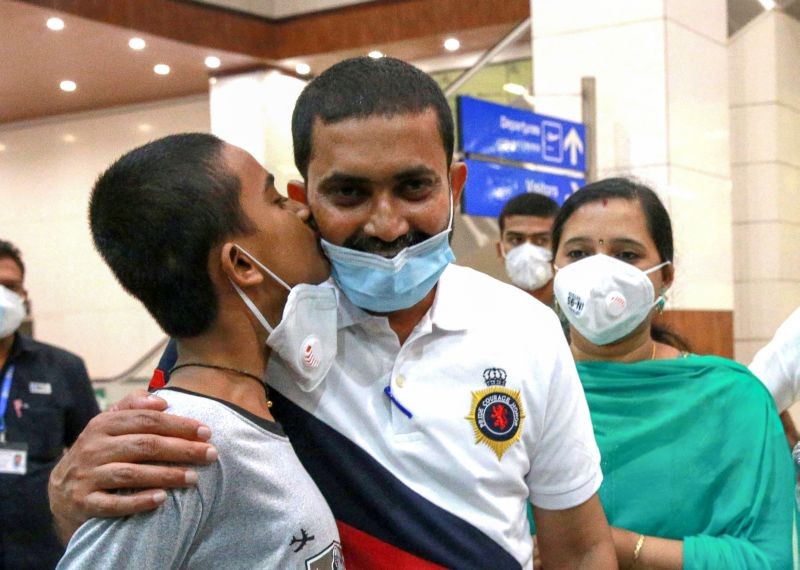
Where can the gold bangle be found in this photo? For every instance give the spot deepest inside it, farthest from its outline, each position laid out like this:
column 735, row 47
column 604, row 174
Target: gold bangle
column 637, row 550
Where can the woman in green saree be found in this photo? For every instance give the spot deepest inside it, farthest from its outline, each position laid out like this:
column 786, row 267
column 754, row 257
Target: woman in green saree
column 697, row 473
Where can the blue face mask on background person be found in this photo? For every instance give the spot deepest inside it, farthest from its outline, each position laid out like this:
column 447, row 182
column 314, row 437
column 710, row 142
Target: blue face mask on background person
column 383, row 285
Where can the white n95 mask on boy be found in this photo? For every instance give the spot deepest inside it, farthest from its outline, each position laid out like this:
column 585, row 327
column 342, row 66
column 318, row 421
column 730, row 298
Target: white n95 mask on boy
column 604, row 298
column 528, row 266
column 12, row 311
column 305, row 338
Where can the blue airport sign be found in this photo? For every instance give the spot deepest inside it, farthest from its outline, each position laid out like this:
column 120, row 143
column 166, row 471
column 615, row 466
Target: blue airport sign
column 515, row 134
column 490, row 185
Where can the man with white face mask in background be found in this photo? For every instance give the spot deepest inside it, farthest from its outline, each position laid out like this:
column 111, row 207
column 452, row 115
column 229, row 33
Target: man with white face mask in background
column 525, row 223
column 46, row 400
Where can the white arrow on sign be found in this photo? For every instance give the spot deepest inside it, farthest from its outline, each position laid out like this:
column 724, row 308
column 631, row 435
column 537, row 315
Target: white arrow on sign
column 573, row 143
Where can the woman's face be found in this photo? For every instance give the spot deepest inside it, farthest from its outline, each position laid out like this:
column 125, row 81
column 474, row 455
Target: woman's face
column 615, row 227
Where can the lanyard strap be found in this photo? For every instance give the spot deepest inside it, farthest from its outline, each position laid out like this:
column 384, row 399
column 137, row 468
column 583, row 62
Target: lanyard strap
column 4, row 393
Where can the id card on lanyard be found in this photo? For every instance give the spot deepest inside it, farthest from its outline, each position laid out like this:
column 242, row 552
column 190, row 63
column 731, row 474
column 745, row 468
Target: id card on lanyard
column 13, row 456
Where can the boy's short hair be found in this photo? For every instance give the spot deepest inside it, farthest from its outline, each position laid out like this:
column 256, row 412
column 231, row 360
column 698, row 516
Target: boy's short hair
column 155, row 215
column 528, row 204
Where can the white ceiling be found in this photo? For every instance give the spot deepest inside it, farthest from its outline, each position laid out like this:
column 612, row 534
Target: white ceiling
column 276, row 9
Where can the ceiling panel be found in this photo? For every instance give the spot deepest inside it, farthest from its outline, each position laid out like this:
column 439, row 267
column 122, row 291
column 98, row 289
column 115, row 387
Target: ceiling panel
column 34, row 60
column 276, row 9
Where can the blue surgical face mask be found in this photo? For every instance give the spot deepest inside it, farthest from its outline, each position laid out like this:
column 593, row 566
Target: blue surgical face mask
column 383, row 285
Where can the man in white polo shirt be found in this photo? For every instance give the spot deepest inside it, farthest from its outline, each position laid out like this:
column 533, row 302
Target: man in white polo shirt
column 453, row 399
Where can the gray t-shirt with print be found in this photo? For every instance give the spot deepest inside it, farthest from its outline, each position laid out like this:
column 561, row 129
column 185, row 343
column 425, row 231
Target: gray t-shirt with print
column 254, row 508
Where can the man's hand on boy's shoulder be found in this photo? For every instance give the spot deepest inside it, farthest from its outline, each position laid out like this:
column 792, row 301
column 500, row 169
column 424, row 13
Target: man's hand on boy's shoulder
column 110, row 454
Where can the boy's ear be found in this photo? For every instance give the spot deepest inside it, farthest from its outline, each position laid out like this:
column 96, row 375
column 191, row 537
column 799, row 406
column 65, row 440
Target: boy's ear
column 297, row 191
column 238, row 267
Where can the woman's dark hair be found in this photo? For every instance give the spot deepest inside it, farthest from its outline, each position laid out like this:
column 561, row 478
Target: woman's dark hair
column 656, row 217
column 655, row 214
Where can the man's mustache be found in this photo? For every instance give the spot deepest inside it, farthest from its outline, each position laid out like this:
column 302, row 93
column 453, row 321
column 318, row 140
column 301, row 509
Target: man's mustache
column 369, row 244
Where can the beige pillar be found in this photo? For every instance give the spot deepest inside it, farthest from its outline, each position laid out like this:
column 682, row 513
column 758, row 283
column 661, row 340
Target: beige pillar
column 662, row 107
column 765, row 161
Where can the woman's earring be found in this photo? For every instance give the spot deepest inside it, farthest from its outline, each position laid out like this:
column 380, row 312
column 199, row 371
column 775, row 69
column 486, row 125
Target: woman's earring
column 662, row 301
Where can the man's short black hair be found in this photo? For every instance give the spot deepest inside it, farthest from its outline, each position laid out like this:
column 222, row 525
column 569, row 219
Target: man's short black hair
column 9, row 251
column 155, row 215
column 363, row 87
column 529, row 204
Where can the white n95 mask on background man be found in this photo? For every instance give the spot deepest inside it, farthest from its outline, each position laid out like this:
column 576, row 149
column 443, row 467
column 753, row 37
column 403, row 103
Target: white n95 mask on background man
column 306, row 337
column 12, row 311
column 528, row 266
column 604, row 298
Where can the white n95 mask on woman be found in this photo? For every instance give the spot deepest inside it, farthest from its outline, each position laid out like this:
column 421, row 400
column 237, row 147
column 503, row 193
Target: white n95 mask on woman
column 604, row 298
column 528, row 266
column 306, row 337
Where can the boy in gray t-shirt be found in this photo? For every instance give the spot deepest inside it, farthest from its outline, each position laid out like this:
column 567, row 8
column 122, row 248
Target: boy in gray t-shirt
column 189, row 224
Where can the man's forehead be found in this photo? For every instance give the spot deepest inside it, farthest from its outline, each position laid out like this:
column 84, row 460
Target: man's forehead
column 528, row 224
column 377, row 147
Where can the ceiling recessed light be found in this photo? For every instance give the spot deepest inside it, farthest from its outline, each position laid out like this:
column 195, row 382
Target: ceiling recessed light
column 452, row 44
column 2, row 147
column 68, row 85
column 137, row 44
column 213, row 62
column 302, row 68
column 212, row 80
column 515, row 89
column 375, row 54
column 767, row 4
column 68, row 138
column 161, row 69
column 145, row 128
column 55, row 24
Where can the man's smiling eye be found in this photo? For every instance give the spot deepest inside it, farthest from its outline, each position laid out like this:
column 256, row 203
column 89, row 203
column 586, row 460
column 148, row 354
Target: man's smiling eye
column 347, row 195
column 417, row 185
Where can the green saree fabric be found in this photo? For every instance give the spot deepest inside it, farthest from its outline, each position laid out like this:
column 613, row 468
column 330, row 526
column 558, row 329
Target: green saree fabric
column 692, row 449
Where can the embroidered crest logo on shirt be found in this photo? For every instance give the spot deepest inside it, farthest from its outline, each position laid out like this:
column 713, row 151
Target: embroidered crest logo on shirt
column 44, row 388
column 497, row 413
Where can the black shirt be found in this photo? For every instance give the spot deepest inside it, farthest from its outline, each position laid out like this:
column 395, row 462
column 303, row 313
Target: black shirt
column 50, row 403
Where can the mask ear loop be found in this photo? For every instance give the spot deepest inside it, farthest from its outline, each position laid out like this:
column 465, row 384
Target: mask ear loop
column 247, row 301
column 450, row 222
column 662, row 299
column 253, row 309
column 264, row 268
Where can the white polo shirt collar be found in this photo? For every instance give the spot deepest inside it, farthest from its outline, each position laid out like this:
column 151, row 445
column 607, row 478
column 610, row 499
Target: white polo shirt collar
column 446, row 313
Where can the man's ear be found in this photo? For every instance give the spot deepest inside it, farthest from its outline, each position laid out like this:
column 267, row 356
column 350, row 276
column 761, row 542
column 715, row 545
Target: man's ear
column 458, row 177
column 297, row 191
column 238, row 267
column 499, row 247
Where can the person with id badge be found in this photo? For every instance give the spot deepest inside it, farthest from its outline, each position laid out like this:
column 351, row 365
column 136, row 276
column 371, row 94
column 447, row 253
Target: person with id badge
column 46, row 400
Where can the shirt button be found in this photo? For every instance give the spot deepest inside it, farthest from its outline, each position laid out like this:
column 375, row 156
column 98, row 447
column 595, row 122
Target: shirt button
column 400, row 380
